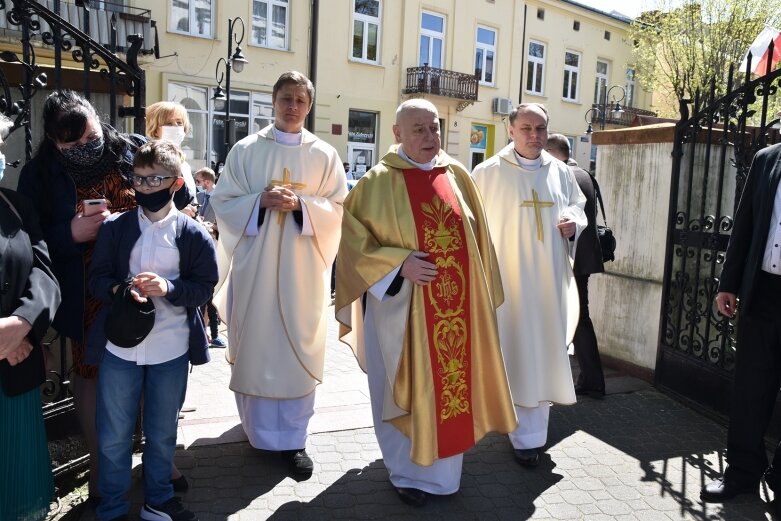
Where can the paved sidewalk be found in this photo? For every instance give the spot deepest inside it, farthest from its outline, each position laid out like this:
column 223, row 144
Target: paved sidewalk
column 636, row 455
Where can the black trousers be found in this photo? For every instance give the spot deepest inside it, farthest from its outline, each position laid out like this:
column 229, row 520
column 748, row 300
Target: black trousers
column 591, row 377
column 755, row 387
column 214, row 319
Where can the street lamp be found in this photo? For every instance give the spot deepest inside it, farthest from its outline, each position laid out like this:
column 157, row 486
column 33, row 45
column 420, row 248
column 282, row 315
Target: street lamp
column 601, row 109
column 222, row 99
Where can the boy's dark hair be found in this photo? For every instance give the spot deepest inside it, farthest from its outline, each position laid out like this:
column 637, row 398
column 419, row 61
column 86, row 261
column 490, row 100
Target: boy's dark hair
column 163, row 153
column 207, row 173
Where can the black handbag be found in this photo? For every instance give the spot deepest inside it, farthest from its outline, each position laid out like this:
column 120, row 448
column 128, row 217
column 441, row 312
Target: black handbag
column 607, row 240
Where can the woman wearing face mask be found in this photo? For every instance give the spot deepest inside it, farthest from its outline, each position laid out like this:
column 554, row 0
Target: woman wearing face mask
column 79, row 159
column 168, row 120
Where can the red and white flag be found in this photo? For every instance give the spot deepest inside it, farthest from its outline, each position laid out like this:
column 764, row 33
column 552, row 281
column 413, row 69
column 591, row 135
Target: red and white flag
column 759, row 51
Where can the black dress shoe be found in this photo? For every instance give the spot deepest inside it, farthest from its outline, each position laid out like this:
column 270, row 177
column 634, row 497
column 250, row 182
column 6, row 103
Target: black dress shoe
column 527, row 457
column 412, row 496
column 591, row 393
column 298, row 461
column 722, row 490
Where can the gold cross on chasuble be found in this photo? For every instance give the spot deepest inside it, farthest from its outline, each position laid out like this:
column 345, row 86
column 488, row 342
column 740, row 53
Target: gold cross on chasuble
column 284, row 182
column 537, row 204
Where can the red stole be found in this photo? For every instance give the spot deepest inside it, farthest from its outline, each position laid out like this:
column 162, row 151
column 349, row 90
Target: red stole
column 440, row 230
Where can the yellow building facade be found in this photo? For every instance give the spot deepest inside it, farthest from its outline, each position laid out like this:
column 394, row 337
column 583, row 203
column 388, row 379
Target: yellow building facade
column 474, row 59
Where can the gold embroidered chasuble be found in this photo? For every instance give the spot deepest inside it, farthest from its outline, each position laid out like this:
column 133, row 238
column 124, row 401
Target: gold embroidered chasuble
column 378, row 233
column 274, row 286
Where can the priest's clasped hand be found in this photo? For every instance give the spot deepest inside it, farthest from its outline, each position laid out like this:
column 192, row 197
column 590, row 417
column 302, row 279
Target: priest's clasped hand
column 417, row 270
column 566, row 227
column 280, row 198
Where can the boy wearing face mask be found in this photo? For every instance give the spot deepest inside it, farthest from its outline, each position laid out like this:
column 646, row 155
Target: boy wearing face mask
column 167, row 120
column 170, row 259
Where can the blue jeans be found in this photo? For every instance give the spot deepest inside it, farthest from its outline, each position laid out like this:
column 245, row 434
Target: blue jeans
column 120, row 387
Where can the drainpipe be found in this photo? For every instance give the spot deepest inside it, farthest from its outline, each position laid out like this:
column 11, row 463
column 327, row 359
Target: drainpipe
column 523, row 53
column 315, row 15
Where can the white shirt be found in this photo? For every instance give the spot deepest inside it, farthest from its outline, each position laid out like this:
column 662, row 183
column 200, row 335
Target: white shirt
column 156, row 251
column 771, row 261
column 528, row 164
column 422, row 166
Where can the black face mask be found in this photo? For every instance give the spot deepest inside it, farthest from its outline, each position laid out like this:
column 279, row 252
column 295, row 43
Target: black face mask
column 154, row 201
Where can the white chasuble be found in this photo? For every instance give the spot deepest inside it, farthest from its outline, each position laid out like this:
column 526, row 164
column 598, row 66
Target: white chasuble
column 274, row 286
column 540, row 311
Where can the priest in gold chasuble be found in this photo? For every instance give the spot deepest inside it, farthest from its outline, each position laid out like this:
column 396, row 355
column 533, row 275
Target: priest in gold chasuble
column 416, row 291
column 535, row 214
column 279, row 205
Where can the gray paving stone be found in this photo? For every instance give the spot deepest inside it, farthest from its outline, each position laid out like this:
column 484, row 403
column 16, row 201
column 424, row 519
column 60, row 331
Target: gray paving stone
column 639, row 456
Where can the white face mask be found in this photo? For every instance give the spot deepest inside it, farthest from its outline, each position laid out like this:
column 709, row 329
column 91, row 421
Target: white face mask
column 173, row 133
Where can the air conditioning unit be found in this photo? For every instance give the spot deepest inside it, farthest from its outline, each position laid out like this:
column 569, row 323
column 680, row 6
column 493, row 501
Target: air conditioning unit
column 502, row 106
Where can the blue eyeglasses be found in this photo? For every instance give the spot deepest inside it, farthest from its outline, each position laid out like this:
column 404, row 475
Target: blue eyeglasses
column 152, row 181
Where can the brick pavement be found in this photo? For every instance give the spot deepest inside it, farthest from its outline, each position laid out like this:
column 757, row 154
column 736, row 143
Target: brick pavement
column 636, row 455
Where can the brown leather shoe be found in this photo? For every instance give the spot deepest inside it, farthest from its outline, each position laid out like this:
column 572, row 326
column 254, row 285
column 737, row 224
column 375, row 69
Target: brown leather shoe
column 720, row 490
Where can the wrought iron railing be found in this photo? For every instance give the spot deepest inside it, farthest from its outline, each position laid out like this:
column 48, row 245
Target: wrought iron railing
column 38, row 26
column 97, row 20
column 716, row 139
column 621, row 119
column 441, row 82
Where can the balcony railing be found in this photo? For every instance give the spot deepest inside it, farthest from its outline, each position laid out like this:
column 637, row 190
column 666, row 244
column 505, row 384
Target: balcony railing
column 441, row 82
column 127, row 20
column 623, row 119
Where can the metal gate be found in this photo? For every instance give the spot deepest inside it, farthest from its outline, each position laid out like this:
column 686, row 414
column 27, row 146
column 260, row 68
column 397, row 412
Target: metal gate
column 76, row 33
column 713, row 149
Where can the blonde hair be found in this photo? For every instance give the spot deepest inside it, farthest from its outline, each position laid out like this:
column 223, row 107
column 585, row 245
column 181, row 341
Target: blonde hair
column 157, row 114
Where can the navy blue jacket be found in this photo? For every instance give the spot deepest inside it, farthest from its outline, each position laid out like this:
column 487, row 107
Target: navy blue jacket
column 53, row 194
column 194, row 287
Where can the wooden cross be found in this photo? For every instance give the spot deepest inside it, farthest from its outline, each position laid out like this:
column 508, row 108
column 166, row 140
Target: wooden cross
column 537, row 204
column 285, row 181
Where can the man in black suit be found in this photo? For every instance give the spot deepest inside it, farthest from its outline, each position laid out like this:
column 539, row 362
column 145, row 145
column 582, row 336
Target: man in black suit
column 588, row 260
column 752, row 271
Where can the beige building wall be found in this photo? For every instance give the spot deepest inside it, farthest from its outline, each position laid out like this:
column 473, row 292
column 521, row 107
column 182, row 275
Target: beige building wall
column 557, row 32
column 346, row 84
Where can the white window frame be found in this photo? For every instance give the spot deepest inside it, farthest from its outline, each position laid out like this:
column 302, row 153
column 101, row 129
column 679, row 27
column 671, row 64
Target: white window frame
column 270, row 4
column 539, row 65
column 629, row 87
column 600, row 83
column 366, row 20
column 192, row 4
column 569, row 72
column 433, row 35
column 486, row 48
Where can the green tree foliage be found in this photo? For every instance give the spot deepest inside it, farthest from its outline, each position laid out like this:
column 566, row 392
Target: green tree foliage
column 682, row 44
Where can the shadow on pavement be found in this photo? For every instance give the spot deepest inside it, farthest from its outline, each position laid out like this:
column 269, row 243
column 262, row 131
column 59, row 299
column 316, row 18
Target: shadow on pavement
column 628, row 451
column 673, row 452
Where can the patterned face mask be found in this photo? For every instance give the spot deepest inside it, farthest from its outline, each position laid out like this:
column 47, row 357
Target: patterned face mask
column 85, row 154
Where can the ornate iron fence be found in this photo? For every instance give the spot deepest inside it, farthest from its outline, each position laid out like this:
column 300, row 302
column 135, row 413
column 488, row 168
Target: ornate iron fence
column 713, row 149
